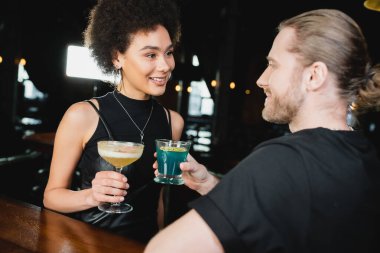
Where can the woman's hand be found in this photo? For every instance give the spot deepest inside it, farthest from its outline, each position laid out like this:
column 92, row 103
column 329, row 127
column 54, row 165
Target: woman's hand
column 109, row 186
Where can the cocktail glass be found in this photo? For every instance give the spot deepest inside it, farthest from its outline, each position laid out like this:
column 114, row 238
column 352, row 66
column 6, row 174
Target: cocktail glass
column 119, row 154
column 170, row 154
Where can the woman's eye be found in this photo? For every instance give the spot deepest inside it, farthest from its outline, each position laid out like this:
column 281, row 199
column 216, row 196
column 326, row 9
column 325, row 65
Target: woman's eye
column 151, row 55
column 169, row 53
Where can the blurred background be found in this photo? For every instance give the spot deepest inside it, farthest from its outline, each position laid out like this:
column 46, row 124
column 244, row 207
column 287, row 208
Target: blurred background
column 220, row 57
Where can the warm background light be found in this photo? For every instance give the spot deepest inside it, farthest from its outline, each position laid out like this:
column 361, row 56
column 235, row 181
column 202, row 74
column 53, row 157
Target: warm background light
column 372, row 5
column 22, row 61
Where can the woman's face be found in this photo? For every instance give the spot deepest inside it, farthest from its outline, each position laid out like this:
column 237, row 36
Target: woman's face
column 147, row 64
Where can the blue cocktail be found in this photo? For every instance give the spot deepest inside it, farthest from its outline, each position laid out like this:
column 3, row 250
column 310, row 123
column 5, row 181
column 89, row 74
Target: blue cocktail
column 169, row 155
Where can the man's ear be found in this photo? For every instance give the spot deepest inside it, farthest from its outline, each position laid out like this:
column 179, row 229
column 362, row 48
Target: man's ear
column 316, row 75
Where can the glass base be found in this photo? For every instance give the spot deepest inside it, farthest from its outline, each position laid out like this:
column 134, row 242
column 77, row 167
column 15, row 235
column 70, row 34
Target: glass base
column 169, row 180
column 115, row 207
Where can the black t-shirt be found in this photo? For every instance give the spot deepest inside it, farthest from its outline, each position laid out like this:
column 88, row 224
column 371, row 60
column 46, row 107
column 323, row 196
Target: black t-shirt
column 316, row 190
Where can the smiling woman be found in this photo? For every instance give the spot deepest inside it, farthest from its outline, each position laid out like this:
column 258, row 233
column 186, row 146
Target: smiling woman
column 134, row 40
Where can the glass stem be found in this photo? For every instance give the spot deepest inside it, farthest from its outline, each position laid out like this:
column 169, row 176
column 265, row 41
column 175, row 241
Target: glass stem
column 118, row 170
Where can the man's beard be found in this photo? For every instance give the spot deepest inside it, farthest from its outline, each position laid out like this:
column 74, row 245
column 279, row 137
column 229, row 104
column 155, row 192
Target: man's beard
column 282, row 110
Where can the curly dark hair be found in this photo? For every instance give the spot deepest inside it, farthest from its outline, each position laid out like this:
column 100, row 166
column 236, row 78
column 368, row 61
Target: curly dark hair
column 111, row 24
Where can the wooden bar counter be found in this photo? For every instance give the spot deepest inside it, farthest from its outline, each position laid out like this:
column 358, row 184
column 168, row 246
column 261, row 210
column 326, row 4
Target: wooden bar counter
column 28, row 228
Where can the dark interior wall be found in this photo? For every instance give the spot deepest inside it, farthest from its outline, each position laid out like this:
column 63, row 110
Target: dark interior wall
column 229, row 36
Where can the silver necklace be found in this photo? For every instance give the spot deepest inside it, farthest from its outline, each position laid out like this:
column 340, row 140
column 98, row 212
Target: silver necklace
column 146, row 123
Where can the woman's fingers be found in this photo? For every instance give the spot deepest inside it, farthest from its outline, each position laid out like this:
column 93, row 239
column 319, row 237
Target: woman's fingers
column 155, row 165
column 108, row 194
column 109, row 186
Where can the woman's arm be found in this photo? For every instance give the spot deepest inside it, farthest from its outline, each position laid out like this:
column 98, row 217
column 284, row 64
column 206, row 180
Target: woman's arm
column 74, row 130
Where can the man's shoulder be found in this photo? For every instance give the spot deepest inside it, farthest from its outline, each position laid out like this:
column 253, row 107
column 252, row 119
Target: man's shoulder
column 301, row 140
column 286, row 143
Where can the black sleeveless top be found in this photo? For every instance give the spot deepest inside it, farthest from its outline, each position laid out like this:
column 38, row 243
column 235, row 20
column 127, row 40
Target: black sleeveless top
column 143, row 194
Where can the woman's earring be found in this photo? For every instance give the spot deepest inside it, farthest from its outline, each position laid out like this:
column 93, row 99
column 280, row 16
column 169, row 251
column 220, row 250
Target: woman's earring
column 117, row 74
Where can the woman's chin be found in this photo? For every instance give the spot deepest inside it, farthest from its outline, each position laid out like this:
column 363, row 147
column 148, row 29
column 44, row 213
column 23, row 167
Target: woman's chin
column 158, row 91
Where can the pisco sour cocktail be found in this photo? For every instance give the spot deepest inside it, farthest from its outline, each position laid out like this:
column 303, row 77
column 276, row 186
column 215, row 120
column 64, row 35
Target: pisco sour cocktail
column 120, row 154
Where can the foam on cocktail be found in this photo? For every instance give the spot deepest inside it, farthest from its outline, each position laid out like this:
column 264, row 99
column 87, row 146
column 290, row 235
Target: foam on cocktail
column 120, row 154
column 120, row 159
